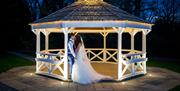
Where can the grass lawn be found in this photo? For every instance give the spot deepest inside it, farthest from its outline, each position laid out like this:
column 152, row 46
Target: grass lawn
column 171, row 65
column 177, row 88
column 9, row 61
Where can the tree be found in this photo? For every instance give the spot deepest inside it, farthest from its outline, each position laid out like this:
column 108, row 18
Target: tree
column 166, row 11
column 127, row 5
column 34, row 8
column 132, row 6
column 41, row 8
column 148, row 10
column 165, row 33
column 137, row 9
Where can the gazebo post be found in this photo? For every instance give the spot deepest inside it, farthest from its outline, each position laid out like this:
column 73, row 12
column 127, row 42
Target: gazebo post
column 104, row 53
column 46, row 33
column 47, row 40
column 132, row 49
column 38, row 41
column 144, row 50
column 38, row 46
column 120, row 30
column 65, row 31
column 132, row 41
column 104, row 34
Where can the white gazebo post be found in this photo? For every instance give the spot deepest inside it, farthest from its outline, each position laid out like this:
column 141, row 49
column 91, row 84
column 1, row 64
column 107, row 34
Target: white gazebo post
column 132, row 48
column 119, row 31
column 47, row 40
column 38, row 42
column 65, row 31
column 38, row 46
column 144, row 32
column 46, row 33
column 104, row 34
column 132, row 40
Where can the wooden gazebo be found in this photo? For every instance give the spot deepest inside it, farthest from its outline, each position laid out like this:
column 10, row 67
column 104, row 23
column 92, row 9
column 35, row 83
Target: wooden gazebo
column 91, row 16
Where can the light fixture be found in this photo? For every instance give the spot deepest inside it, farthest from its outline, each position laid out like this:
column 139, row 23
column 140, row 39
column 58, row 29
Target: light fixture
column 150, row 75
column 62, row 83
column 123, row 83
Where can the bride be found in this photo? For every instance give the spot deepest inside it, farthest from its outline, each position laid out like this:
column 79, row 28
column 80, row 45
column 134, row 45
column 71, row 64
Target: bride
column 82, row 71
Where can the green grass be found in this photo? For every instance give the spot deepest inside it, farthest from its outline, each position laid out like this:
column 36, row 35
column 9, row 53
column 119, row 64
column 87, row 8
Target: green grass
column 9, row 61
column 171, row 65
column 177, row 88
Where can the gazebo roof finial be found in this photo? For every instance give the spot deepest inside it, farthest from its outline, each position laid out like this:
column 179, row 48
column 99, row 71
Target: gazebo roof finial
column 90, row 1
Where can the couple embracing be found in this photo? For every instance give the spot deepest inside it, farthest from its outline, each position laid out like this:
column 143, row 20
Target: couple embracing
column 81, row 70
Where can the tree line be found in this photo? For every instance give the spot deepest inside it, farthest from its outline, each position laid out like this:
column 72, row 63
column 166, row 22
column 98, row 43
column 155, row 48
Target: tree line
column 163, row 13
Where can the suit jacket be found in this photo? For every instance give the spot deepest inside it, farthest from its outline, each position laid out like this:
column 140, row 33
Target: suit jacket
column 71, row 48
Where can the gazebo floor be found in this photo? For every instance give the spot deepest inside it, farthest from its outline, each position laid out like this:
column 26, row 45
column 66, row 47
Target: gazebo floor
column 157, row 79
column 106, row 69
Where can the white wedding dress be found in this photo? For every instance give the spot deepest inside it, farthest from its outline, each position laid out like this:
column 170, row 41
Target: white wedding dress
column 83, row 72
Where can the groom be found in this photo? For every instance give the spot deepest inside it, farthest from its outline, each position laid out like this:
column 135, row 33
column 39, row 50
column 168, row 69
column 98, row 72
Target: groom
column 71, row 51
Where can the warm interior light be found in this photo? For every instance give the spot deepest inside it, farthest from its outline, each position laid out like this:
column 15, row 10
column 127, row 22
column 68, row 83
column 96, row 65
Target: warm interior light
column 62, row 83
column 123, row 83
column 150, row 75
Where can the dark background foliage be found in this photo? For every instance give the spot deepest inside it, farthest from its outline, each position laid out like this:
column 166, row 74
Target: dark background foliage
column 162, row 41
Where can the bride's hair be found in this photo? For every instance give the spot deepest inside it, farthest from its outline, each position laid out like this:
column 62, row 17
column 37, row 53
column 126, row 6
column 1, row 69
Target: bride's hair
column 70, row 35
column 78, row 40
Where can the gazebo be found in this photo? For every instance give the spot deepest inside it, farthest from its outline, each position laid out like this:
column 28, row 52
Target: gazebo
column 91, row 16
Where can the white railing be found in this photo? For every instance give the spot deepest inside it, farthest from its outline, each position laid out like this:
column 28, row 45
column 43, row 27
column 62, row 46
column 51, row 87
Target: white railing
column 101, row 55
column 94, row 54
column 50, row 64
column 134, row 62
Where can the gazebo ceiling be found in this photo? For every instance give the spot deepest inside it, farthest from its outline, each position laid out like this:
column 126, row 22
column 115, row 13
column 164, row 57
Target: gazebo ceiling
column 94, row 10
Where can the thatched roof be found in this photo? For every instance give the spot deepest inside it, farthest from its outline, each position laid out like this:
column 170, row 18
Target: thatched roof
column 81, row 11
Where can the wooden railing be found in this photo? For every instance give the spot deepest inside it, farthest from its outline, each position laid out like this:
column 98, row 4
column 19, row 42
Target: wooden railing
column 133, row 64
column 95, row 54
column 132, row 60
